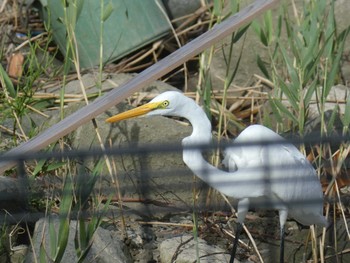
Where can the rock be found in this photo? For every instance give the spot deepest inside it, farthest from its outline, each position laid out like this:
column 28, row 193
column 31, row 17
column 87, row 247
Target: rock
column 106, row 246
column 179, row 8
column 19, row 253
column 336, row 100
column 183, row 249
column 13, row 195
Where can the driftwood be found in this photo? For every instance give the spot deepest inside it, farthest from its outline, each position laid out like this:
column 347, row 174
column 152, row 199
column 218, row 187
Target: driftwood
column 12, row 188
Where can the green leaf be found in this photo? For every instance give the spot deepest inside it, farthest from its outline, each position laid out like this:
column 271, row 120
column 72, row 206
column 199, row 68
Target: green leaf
column 53, row 238
column 310, row 70
column 86, row 235
column 54, row 166
column 263, row 38
column 73, row 11
column 275, row 111
column 83, row 236
column 330, row 25
column 43, row 104
column 39, row 167
column 346, row 117
column 240, row 33
column 67, row 197
column 41, row 163
column 268, row 26
column 336, row 61
column 64, row 3
column 256, row 27
column 262, row 67
column 42, row 255
column 235, row 6
column 308, row 53
column 217, row 10
column 279, row 26
column 6, row 82
column 290, row 93
column 77, row 243
column 107, row 11
column 280, row 106
column 293, row 73
column 63, row 235
column 310, row 91
column 229, row 78
column 65, row 209
column 278, row 36
column 331, row 120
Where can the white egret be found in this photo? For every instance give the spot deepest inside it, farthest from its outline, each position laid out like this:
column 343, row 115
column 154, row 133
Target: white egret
column 277, row 173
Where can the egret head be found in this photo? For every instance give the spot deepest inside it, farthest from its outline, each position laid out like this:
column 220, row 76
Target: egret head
column 170, row 103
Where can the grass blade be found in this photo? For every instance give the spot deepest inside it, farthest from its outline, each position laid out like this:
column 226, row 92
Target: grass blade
column 237, row 36
column 262, row 67
column 6, row 82
column 53, row 238
column 346, row 117
column 107, row 11
column 65, row 209
column 283, row 109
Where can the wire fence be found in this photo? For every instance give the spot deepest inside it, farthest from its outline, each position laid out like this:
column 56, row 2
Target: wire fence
column 80, row 156
column 152, row 183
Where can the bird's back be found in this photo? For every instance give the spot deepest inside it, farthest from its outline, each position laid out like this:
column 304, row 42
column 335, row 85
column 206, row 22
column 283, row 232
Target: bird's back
column 285, row 174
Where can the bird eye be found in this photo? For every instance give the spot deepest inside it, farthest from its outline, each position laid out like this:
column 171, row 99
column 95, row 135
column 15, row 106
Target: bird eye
column 165, row 104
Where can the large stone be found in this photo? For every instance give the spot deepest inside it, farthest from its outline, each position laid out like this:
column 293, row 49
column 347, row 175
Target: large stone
column 106, row 246
column 183, row 249
column 180, row 8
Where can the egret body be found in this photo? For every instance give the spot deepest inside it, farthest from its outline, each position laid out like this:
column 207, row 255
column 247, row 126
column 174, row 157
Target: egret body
column 277, row 174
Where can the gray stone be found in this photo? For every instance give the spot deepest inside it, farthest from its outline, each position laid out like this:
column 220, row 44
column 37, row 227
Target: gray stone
column 106, row 246
column 179, row 8
column 335, row 101
column 18, row 253
column 184, row 250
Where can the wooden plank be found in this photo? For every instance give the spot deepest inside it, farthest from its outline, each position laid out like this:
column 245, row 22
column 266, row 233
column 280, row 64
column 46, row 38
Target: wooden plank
column 164, row 66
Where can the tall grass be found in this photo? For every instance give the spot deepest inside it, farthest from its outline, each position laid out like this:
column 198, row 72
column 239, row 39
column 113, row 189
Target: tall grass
column 303, row 63
column 304, row 48
column 77, row 196
column 17, row 101
column 205, row 88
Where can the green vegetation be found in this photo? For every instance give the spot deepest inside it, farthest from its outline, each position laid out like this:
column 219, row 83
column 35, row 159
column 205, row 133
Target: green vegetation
column 305, row 50
column 304, row 62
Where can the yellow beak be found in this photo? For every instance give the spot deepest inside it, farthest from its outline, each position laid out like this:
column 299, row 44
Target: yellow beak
column 139, row 111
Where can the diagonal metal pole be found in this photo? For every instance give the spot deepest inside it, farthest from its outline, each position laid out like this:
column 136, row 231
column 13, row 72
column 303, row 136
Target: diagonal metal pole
column 154, row 72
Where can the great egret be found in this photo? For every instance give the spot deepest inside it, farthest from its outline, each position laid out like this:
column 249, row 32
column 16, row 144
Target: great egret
column 277, row 173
